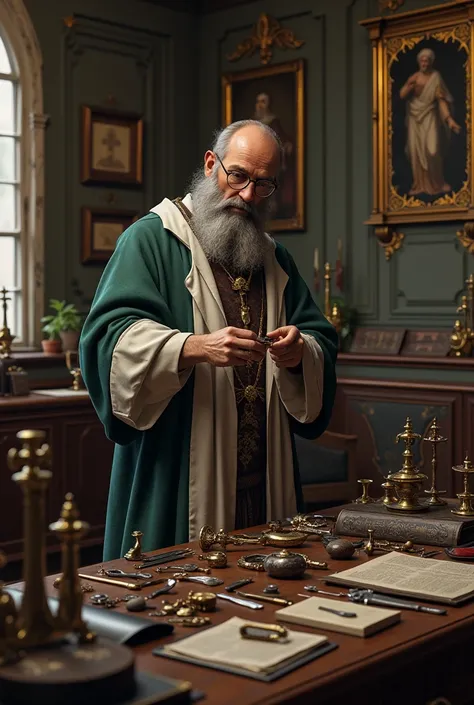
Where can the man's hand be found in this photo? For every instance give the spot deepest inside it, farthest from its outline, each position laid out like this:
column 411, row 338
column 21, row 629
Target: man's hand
column 287, row 350
column 227, row 347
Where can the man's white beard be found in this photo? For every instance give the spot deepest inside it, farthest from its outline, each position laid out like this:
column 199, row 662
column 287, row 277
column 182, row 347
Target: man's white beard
column 234, row 240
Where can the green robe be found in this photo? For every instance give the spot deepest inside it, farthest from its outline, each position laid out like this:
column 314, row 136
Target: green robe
column 144, row 279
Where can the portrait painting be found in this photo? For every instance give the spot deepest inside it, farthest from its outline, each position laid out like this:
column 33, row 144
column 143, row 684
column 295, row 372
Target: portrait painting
column 100, row 231
column 112, row 147
column 422, row 118
column 275, row 96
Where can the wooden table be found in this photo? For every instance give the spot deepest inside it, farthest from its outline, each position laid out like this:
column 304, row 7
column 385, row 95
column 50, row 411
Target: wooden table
column 424, row 660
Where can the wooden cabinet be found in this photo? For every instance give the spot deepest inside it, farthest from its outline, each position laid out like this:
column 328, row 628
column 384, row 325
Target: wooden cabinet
column 82, row 460
column 376, row 409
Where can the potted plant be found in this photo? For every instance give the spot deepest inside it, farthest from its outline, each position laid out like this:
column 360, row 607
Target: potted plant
column 62, row 327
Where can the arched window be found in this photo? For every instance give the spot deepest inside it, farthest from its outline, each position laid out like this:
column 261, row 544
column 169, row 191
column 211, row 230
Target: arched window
column 10, row 194
column 22, row 125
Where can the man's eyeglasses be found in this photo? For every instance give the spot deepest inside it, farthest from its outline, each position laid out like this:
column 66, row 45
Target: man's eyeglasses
column 238, row 181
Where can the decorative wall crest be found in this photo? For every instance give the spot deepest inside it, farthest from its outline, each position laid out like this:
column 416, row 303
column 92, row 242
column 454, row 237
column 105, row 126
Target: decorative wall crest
column 391, row 5
column 266, row 34
column 390, row 240
column 466, row 237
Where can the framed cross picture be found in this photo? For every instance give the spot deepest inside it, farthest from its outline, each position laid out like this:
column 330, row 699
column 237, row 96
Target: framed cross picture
column 112, row 147
column 101, row 229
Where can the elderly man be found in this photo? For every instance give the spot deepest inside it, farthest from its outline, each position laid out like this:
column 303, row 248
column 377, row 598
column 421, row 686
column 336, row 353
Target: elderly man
column 203, row 353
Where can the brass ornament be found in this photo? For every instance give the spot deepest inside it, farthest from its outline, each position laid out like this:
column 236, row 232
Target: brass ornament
column 332, row 312
column 389, row 496
column 6, row 338
column 392, row 5
column 434, row 437
column 135, row 553
column 33, row 624
column 202, row 601
column 408, row 480
column 389, row 239
column 462, row 337
column 466, row 237
column 364, row 498
column 215, row 559
column 466, row 505
column 209, row 537
column 266, row 33
column 371, row 546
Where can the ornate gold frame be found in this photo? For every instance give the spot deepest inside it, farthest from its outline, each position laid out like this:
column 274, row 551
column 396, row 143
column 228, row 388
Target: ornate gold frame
column 389, row 37
column 296, row 67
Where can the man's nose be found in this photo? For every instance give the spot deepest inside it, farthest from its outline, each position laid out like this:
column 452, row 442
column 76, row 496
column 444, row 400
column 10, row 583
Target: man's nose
column 247, row 194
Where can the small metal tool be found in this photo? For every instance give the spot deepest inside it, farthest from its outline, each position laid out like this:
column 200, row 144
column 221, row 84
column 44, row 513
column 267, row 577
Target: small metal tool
column 369, row 597
column 110, row 581
column 313, row 588
column 238, row 584
column 116, row 573
column 203, row 579
column 238, row 601
column 155, row 581
column 265, row 340
column 161, row 591
column 185, row 568
column 266, row 598
column 340, row 613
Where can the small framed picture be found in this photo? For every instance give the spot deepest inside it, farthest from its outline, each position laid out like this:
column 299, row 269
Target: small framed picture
column 112, row 147
column 101, row 230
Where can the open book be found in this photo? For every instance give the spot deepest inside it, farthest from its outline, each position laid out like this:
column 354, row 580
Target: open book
column 425, row 578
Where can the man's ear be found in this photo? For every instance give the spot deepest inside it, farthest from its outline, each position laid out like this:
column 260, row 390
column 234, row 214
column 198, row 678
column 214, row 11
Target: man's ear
column 209, row 162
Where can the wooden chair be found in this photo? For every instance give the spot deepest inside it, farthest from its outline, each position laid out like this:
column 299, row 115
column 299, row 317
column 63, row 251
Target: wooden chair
column 328, row 468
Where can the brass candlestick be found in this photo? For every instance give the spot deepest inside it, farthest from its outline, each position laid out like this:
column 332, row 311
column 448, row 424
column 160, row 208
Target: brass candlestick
column 408, row 480
column 6, row 338
column 135, row 553
column 466, row 508
column 72, row 363
column 364, row 498
column 388, row 487
column 434, row 437
column 35, row 624
column 332, row 312
column 70, row 529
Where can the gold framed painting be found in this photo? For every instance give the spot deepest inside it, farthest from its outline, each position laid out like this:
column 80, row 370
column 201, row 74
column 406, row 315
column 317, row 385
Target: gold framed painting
column 275, row 95
column 112, row 147
column 101, row 229
column 422, row 66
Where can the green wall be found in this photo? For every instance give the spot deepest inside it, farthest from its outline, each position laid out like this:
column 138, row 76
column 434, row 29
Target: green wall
column 167, row 65
column 420, row 285
column 145, row 56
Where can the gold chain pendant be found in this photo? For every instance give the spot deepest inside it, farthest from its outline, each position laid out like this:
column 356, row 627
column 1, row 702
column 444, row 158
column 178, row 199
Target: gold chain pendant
column 240, row 284
column 250, row 393
column 245, row 313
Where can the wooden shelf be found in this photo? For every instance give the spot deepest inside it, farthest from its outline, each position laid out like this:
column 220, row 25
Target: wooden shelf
column 432, row 363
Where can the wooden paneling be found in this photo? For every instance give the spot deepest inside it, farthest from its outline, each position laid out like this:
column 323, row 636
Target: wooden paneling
column 376, row 410
column 82, row 460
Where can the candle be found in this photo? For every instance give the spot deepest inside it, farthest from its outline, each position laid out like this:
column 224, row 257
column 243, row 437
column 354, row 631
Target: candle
column 316, row 259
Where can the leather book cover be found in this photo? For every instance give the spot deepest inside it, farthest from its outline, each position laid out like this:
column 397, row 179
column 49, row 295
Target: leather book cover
column 436, row 526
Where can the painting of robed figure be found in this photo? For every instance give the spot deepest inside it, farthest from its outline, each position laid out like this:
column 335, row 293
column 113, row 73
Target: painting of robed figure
column 422, row 68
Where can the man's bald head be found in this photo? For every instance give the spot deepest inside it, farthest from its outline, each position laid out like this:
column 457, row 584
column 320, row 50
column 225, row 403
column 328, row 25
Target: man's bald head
column 258, row 136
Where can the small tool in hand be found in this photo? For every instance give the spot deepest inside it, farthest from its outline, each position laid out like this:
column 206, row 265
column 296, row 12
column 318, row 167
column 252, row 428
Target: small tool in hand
column 340, row 613
column 265, row 340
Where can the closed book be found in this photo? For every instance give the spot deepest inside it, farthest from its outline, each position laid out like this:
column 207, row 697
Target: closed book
column 368, row 620
column 436, row 526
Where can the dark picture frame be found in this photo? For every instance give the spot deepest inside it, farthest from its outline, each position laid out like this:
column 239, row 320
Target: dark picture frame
column 275, row 94
column 101, row 229
column 422, row 66
column 112, row 147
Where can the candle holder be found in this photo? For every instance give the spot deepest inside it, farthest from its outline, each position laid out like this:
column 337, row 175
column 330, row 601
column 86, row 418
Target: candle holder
column 390, row 495
column 465, row 508
column 434, row 437
column 364, row 498
column 135, row 553
column 408, row 480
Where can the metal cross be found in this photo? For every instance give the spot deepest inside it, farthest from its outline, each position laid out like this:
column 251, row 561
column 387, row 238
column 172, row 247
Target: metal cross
column 4, row 298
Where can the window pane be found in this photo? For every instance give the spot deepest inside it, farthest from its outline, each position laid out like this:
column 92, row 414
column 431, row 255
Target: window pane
column 7, row 208
column 7, row 159
column 4, row 61
column 7, row 116
column 7, row 262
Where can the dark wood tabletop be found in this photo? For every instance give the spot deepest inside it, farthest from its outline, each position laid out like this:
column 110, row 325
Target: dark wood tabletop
column 416, row 662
